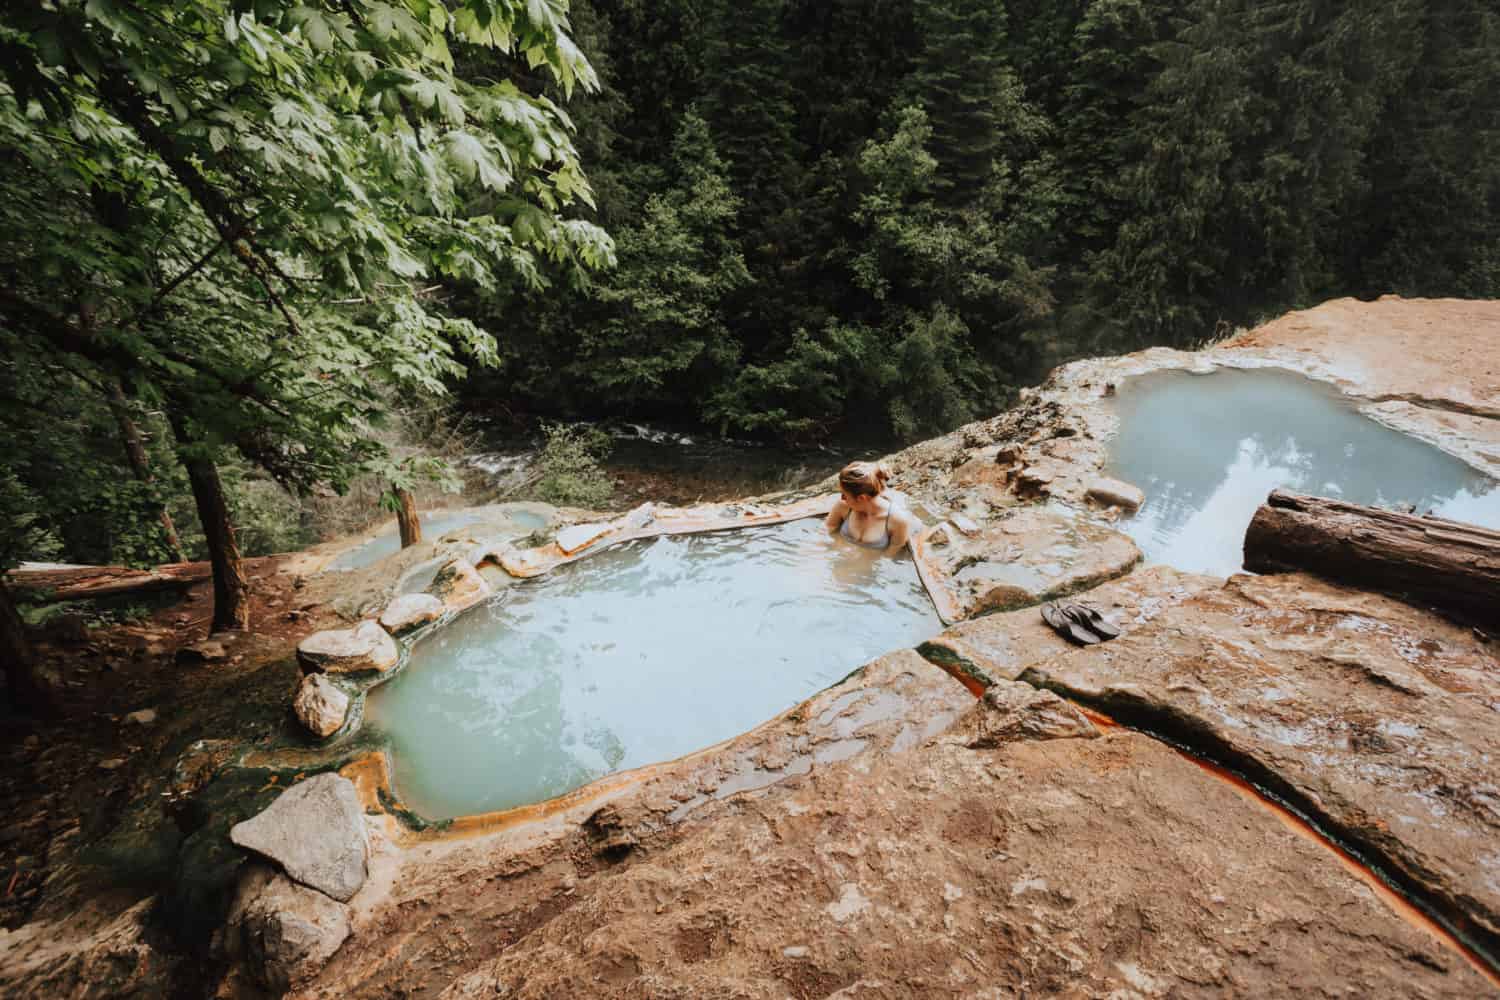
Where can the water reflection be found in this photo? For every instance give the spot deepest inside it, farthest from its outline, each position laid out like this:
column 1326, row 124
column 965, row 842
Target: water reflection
column 1208, row 448
column 434, row 524
column 637, row 654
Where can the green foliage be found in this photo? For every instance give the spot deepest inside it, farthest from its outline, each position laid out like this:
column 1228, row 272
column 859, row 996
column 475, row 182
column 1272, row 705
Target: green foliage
column 241, row 210
column 24, row 531
column 569, row 466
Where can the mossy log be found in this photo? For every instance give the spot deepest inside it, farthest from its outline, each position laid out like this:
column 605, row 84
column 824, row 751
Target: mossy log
column 1445, row 564
column 85, row 582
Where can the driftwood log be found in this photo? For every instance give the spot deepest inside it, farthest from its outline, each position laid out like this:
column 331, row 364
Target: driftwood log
column 76, row 583
column 1445, row 564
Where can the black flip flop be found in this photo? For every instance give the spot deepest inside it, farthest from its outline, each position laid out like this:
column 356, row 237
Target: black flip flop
column 1066, row 627
column 1091, row 619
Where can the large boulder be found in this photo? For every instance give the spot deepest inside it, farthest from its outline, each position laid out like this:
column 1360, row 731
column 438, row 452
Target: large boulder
column 316, row 831
column 320, row 705
column 458, row 585
column 409, row 612
column 365, row 647
column 282, row 932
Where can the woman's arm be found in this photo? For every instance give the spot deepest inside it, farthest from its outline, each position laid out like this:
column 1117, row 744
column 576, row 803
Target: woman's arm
column 835, row 518
column 904, row 527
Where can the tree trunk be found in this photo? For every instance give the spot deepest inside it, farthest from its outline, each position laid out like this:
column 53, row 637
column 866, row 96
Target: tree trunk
column 406, row 517
column 29, row 692
column 87, row 582
column 231, row 591
column 1444, row 564
column 135, row 450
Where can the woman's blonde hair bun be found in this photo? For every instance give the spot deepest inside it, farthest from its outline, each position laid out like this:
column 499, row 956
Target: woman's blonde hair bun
column 864, row 478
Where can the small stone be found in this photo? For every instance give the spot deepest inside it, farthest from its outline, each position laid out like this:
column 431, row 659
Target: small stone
column 965, row 525
column 795, row 951
column 410, row 611
column 320, row 705
column 141, row 717
column 1114, row 493
column 32, row 742
column 206, row 651
column 112, row 764
column 316, row 831
column 347, row 651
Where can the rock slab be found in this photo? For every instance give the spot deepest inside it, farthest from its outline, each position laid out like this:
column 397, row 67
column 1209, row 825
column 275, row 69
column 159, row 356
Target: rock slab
column 409, row 612
column 349, row 651
column 320, row 705
column 1025, row 557
column 316, row 831
column 1375, row 719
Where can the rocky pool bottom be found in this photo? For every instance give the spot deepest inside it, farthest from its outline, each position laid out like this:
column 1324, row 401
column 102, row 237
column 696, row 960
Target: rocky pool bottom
column 638, row 654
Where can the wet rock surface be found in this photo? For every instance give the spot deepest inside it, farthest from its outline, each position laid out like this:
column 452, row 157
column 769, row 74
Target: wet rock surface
column 458, row 585
column 365, row 647
column 315, row 831
column 1023, row 557
column 1105, row 867
column 1379, row 721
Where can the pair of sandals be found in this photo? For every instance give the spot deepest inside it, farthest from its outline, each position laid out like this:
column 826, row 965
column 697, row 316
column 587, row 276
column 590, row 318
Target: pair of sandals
column 1078, row 623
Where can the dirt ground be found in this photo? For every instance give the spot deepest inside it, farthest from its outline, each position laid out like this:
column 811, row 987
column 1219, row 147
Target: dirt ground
column 54, row 785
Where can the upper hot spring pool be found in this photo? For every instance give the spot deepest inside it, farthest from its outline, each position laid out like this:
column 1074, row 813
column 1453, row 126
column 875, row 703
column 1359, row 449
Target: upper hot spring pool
column 1207, row 449
column 434, row 523
column 640, row 653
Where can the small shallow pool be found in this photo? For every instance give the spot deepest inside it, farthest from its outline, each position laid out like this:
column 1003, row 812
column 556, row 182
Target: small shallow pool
column 1207, row 449
column 434, row 524
column 640, row 653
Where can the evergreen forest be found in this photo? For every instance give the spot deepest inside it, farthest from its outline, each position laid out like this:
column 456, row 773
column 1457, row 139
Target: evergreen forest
column 243, row 238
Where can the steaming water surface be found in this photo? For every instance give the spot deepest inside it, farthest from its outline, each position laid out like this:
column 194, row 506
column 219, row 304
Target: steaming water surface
column 637, row 654
column 1207, row 449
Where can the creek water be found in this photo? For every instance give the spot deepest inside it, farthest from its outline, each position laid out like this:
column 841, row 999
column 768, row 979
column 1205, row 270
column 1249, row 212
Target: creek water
column 1207, row 449
column 434, row 523
column 637, row 654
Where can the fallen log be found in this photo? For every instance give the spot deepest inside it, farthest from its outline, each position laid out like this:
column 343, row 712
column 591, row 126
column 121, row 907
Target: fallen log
column 1445, row 564
column 78, row 583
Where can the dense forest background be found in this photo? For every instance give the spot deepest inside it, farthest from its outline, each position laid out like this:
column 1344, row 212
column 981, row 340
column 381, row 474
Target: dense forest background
column 248, row 242
column 845, row 216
